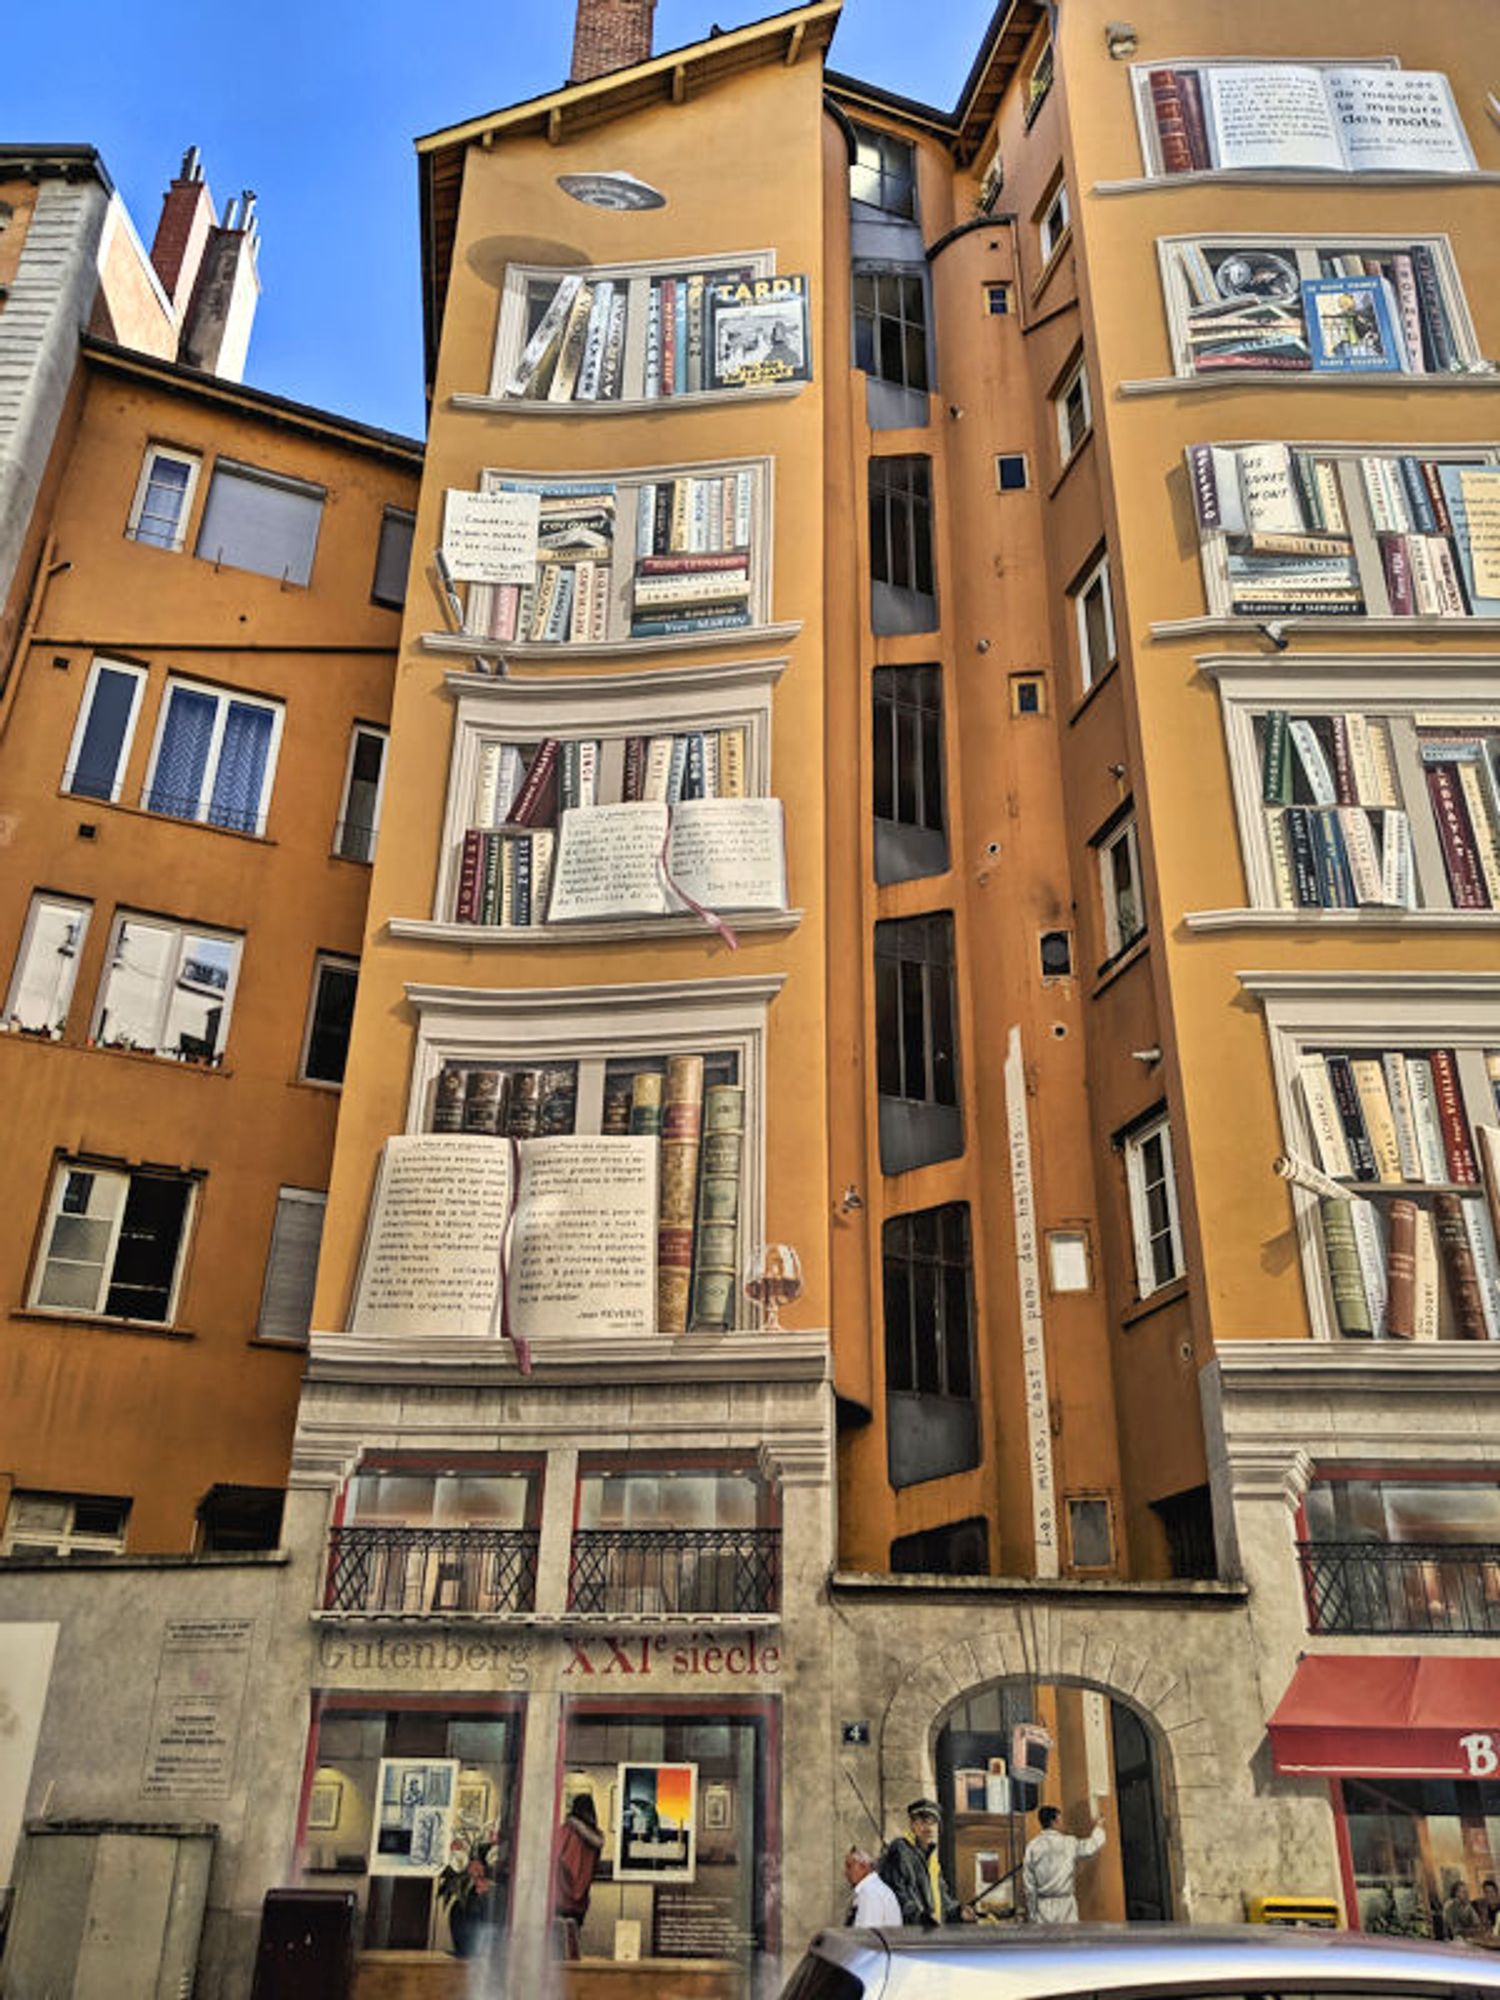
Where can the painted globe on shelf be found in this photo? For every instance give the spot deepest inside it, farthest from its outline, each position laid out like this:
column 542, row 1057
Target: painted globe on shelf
column 773, row 1279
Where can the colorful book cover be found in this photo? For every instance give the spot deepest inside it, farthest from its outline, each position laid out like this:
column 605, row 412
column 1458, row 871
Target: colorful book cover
column 1351, row 326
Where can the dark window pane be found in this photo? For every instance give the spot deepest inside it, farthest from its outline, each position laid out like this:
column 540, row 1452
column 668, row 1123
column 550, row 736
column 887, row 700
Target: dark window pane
column 914, row 1077
column 886, row 723
column 93, row 775
column 900, row 1367
column 887, row 1026
column 146, row 1254
column 333, row 1013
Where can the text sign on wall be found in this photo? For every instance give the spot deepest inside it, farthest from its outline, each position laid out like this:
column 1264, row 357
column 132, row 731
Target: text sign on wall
column 195, row 1715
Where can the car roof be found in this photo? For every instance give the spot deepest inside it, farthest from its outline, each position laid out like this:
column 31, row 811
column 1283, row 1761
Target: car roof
column 1027, row 1961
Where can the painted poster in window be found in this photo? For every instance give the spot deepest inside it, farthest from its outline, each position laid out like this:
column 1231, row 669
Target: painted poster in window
column 656, row 1807
column 760, row 333
column 413, row 1815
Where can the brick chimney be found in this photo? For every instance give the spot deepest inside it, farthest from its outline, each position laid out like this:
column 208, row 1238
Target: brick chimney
column 187, row 215
column 610, row 34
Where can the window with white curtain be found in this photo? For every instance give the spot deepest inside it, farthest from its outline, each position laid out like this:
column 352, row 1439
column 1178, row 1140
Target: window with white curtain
column 215, row 757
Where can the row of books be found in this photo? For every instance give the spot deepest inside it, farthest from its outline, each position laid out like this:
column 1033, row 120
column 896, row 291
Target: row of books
column 1341, row 858
column 532, row 784
column 576, row 350
column 505, row 876
column 1363, row 313
column 1390, row 1116
column 570, row 600
column 692, row 567
column 1288, row 525
column 700, row 1126
column 1464, row 787
column 1412, row 1270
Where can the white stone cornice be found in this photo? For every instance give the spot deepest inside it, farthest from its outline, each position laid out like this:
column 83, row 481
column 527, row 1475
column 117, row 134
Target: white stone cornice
column 527, row 1002
column 1457, row 1368
column 685, row 1360
column 796, row 1458
column 1269, row 1470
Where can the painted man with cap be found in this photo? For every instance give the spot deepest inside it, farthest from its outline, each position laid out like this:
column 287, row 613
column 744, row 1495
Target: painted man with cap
column 911, row 1867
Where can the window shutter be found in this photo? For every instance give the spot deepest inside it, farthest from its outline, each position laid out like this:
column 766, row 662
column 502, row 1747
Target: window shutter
column 292, row 1267
column 393, row 557
column 254, row 520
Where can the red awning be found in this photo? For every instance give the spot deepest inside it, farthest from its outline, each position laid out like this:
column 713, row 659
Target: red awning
column 1389, row 1715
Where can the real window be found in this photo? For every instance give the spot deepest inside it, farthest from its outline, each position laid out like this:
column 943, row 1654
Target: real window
column 63, row 1524
column 1094, row 618
column 286, row 1301
column 167, row 989
column 1072, row 410
column 1091, row 1532
column 884, row 173
column 1120, row 886
column 41, row 986
column 997, row 300
column 364, row 789
column 232, row 1519
column 1242, row 302
column 1028, row 694
column 393, row 556
column 1012, row 472
column 890, row 326
column 910, row 831
column 695, row 1539
column 215, row 757
column 105, row 726
column 928, row 1305
column 1373, row 533
column 917, row 1042
column 330, row 1016
column 163, row 497
column 903, row 597
column 113, row 1242
column 262, row 521
column 1053, row 221
column 1038, row 81
column 1187, row 1519
column 1151, row 1183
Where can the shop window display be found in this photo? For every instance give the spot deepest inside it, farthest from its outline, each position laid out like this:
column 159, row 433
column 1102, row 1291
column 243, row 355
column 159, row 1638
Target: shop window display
column 1412, row 1842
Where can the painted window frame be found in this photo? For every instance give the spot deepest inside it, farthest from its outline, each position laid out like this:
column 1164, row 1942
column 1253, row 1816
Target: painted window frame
column 323, row 962
column 83, row 910
column 174, row 455
column 903, row 697
column 225, row 698
column 67, row 1539
column 950, row 1441
column 63, row 1166
column 886, row 308
column 1139, row 1183
column 181, row 930
column 343, row 825
column 98, row 667
column 999, row 298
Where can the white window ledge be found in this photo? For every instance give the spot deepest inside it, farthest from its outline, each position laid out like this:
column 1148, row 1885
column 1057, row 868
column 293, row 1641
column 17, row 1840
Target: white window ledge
column 1264, row 378
column 620, row 406
column 1291, row 177
column 609, row 930
column 471, row 647
column 1213, row 627
column 1370, row 918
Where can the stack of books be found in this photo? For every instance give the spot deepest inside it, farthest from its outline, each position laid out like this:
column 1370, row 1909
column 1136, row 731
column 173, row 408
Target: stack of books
column 575, row 351
column 513, row 1103
column 692, row 570
column 569, row 601
column 1338, row 837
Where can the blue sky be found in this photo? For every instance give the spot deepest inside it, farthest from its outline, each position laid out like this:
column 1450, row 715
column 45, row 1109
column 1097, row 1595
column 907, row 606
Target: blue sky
column 315, row 103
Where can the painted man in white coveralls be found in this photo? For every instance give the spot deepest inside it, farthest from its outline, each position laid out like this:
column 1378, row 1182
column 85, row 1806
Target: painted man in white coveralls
column 1049, row 1866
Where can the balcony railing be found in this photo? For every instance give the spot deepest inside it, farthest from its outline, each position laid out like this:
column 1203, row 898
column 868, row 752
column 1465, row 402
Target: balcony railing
column 642, row 1572
column 1441, row 1587
column 429, row 1572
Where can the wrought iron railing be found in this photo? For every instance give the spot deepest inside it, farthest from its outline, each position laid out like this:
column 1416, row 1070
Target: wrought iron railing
column 1444, row 1587
column 640, row 1572
column 428, row 1572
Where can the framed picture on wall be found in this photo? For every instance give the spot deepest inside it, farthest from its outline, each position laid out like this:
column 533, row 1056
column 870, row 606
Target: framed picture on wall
column 413, row 1815
column 656, row 1818
column 324, row 1805
column 474, row 1802
column 718, row 1808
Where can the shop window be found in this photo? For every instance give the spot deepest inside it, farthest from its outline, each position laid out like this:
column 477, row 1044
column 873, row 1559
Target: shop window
column 683, row 1800
column 1257, row 302
column 932, row 1413
column 962, row 1548
column 163, row 497
column 890, row 326
column 286, row 1300
column 260, row 521
column 424, row 1542
column 113, row 1242
column 903, row 588
column 399, row 1795
column 102, row 736
column 1124, row 906
column 1394, row 1555
column 911, row 837
column 916, row 1031
column 1315, row 117
column 41, row 986
column 1152, row 1186
column 167, row 989
column 1072, row 408
column 63, row 1525
column 1411, row 1842
column 234, row 1519
column 698, row 1541
column 214, row 758
column 393, row 556
column 1094, row 622
column 884, row 172
column 1187, row 1519
column 1333, row 531
column 364, row 790
column 330, row 1017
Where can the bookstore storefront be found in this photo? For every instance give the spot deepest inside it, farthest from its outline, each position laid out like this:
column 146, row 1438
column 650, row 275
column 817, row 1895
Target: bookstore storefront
column 1410, row 1746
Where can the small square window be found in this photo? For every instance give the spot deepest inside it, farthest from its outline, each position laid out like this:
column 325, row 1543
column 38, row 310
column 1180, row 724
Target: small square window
column 1012, row 472
column 1068, row 1261
column 1028, row 694
column 330, row 1016
column 1091, row 1535
column 997, row 301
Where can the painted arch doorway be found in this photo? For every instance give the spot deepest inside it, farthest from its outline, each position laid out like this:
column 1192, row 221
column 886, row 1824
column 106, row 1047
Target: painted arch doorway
column 1101, row 1753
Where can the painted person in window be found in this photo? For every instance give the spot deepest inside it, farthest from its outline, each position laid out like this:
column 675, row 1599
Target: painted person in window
column 1050, row 1867
column 911, row 1867
column 1461, row 1920
column 578, row 1848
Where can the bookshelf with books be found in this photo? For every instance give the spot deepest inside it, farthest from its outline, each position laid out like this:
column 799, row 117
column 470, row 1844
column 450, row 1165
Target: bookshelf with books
column 676, row 748
column 680, row 1065
column 640, row 561
column 1400, row 1214
column 623, row 337
column 1250, row 304
column 1312, row 531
